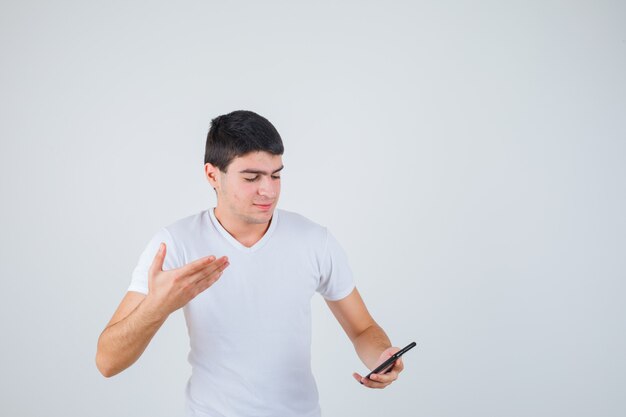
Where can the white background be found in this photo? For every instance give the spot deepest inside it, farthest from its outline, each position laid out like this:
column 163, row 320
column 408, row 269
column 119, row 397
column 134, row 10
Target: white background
column 469, row 156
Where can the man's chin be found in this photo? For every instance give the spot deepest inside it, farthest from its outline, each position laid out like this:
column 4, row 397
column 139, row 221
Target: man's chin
column 260, row 218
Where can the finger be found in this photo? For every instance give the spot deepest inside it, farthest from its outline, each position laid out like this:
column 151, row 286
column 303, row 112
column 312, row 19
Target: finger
column 157, row 262
column 360, row 379
column 399, row 366
column 197, row 265
column 384, row 378
column 372, row 383
column 209, row 271
column 396, row 367
column 204, row 283
column 368, row 382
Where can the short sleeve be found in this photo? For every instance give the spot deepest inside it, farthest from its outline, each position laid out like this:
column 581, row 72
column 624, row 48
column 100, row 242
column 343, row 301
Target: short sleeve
column 139, row 280
column 336, row 280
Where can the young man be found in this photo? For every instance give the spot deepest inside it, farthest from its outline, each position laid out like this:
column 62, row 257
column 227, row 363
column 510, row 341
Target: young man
column 244, row 273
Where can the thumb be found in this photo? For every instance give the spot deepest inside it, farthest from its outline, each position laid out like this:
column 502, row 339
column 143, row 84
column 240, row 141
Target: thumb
column 159, row 258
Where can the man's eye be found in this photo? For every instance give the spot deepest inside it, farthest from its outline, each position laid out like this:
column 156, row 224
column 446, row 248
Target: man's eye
column 251, row 179
column 276, row 177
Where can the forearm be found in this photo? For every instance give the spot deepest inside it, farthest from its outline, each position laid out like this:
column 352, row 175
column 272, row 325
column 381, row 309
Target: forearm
column 370, row 344
column 122, row 343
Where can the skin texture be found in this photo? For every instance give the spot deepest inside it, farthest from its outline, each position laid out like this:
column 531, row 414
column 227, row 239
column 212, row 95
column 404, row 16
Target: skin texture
column 247, row 195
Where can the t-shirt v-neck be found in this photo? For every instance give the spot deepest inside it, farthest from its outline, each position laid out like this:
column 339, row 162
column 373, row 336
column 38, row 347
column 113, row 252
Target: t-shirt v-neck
column 238, row 245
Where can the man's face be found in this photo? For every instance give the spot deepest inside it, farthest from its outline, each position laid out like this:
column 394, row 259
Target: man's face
column 250, row 188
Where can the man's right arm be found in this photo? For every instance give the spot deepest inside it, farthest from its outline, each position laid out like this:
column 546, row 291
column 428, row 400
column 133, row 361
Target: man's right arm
column 139, row 316
column 127, row 335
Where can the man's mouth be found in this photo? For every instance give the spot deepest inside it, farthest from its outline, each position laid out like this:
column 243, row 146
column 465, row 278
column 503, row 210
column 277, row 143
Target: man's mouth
column 264, row 206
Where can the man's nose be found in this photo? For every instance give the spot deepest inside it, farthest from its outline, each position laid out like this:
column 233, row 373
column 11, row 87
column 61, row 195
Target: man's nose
column 268, row 187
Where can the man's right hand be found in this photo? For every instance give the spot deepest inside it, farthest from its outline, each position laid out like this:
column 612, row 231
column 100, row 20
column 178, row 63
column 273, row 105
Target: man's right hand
column 171, row 290
column 139, row 316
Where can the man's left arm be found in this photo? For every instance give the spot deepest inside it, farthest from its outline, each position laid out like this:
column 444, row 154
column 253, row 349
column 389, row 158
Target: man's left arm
column 369, row 339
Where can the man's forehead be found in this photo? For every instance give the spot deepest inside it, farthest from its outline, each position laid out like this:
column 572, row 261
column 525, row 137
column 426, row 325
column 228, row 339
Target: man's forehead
column 257, row 162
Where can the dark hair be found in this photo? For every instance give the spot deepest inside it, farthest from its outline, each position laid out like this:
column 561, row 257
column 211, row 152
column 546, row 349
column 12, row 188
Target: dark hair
column 239, row 133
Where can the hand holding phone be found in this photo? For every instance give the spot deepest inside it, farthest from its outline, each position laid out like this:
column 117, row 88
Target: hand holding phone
column 388, row 364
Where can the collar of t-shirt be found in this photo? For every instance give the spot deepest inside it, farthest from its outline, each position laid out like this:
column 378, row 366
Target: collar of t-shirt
column 234, row 242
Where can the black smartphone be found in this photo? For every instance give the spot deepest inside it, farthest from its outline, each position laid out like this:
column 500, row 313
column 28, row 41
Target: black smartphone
column 386, row 366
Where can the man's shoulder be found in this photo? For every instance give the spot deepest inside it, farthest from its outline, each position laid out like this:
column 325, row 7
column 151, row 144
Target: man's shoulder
column 297, row 219
column 189, row 224
column 303, row 226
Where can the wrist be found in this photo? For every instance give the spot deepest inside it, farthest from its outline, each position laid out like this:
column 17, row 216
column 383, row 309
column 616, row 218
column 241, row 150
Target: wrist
column 152, row 310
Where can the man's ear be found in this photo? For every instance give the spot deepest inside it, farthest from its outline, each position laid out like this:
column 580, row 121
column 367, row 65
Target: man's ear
column 212, row 174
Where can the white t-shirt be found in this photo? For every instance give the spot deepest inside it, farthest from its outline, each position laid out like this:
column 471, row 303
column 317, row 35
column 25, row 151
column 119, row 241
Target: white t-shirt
column 250, row 332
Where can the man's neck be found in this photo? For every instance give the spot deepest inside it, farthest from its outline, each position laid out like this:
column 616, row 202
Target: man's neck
column 245, row 233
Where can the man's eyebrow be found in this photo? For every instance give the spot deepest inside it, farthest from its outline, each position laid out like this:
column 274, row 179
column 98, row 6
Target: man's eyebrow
column 256, row 171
